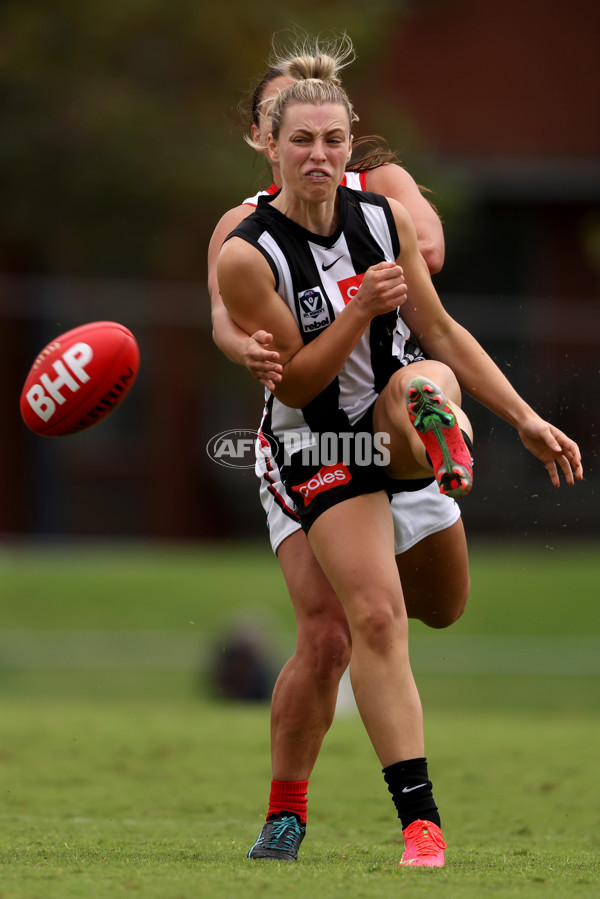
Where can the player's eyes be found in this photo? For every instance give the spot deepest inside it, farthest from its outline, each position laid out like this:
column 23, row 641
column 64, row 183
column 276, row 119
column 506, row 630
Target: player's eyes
column 305, row 140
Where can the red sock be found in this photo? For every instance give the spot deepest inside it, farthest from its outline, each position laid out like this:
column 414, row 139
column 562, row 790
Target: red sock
column 288, row 796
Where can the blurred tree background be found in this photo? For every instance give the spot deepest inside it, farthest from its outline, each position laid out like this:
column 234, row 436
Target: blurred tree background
column 123, row 139
column 122, row 146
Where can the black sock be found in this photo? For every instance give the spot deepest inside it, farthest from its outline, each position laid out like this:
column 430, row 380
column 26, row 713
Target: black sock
column 411, row 790
column 469, row 443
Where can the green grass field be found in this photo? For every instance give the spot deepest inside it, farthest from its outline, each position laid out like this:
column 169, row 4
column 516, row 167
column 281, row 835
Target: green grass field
column 121, row 777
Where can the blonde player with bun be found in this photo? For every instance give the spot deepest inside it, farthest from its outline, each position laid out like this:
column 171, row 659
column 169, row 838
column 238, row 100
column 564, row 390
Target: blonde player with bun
column 304, row 698
column 373, row 167
column 431, row 551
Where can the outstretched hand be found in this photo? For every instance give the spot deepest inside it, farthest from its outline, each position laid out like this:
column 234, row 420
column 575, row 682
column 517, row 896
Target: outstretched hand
column 262, row 363
column 553, row 448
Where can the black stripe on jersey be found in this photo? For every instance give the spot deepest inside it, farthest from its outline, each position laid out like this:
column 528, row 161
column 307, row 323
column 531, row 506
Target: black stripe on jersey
column 384, row 364
column 360, row 252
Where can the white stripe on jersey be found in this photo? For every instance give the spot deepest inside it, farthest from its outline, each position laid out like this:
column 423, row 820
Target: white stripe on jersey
column 335, row 265
column 285, row 288
column 378, row 224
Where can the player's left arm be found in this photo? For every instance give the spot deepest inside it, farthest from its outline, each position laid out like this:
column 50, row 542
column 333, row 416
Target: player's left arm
column 444, row 339
column 252, row 350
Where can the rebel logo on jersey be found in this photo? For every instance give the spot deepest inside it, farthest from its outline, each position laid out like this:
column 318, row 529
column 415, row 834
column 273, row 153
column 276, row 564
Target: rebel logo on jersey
column 327, row 477
column 312, row 310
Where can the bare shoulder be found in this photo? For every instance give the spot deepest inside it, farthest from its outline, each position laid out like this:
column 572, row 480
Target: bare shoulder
column 229, row 221
column 242, row 270
column 391, row 180
column 236, row 255
column 225, row 226
column 233, row 217
column 401, row 215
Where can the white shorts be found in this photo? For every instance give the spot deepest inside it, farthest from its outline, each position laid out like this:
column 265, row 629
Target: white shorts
column 417, row 513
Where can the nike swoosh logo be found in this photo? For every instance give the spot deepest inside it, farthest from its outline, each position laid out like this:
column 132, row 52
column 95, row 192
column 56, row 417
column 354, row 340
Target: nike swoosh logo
column 410, row 789
column 331, row 264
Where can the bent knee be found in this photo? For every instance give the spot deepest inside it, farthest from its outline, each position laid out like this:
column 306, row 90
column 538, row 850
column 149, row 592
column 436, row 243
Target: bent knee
column 436, row 371
column 445, row 614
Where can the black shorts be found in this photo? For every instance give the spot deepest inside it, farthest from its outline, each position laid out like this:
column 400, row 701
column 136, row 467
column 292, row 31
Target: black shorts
column 316, row 485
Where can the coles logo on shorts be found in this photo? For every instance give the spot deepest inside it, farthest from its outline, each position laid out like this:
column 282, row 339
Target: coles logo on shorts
column 349, row 287
column 327, row 477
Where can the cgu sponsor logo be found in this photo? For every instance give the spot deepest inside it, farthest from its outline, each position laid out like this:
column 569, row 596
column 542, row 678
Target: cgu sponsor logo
column 45, row 396
column 349, row 287
column 327, row 477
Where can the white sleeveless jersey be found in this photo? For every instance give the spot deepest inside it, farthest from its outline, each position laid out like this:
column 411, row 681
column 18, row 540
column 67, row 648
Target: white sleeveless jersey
column 416, row 515
column 317, row 276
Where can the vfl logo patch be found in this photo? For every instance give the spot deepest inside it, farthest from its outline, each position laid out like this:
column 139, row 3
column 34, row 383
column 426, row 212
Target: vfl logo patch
column 313, row 311
column 327, row 477
column 349, row 287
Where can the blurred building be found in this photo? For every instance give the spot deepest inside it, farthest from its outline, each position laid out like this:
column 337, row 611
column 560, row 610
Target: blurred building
column 503, row 104
column 505, row 96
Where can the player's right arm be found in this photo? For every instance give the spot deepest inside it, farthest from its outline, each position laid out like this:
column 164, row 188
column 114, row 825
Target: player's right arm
column 249, row 349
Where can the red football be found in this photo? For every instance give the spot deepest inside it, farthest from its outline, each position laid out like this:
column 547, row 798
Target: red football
column 79, row 378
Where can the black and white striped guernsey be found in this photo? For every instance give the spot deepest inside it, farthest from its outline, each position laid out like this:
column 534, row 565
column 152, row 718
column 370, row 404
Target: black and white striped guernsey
column 317, row 276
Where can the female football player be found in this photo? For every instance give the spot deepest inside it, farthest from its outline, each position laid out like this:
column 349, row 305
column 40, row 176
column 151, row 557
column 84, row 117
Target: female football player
column 342, row 262
column 428, row 529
